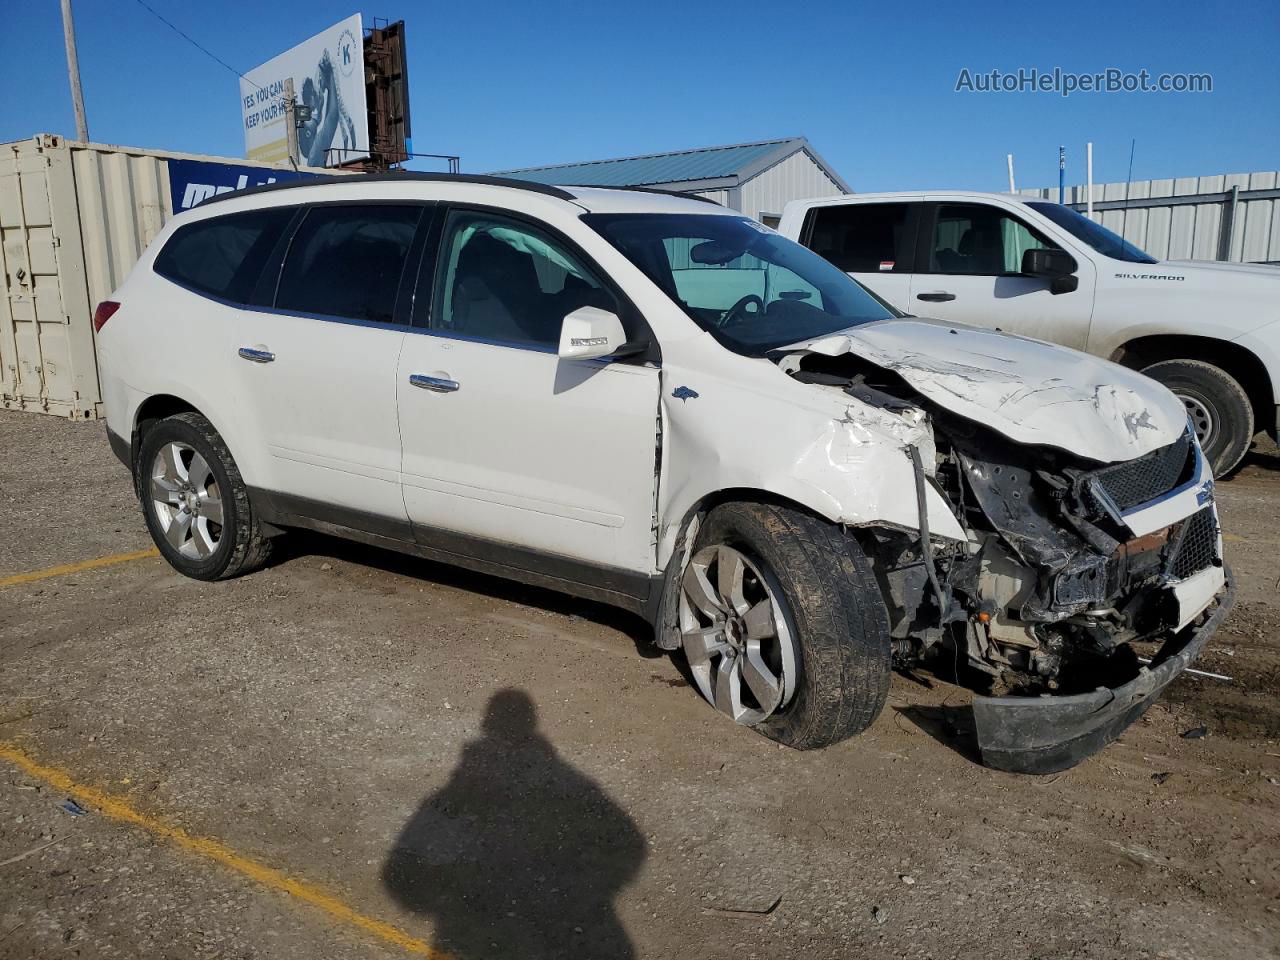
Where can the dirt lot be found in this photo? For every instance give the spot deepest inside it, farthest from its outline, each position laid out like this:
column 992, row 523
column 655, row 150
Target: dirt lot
column 356, row 754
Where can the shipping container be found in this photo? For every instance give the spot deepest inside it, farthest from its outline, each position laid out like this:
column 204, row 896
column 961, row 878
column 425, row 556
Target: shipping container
column 74, row 218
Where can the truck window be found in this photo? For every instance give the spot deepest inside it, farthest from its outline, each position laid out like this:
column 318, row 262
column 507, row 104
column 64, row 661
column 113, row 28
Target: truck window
column 978, row 240
column 862, row 237
column 1094, row 234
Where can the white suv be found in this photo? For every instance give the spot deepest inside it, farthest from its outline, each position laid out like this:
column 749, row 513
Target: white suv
column 651, row 401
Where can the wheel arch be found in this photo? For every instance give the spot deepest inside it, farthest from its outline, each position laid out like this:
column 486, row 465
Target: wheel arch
column 160, row 406
column 676, row 545
column 1238, row 362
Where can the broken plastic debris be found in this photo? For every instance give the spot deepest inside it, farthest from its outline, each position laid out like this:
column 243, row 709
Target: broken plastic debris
column 1195, row 733
column 759, row 910
column 73, row 808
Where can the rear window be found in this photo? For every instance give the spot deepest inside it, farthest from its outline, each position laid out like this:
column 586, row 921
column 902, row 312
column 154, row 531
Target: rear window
column 863, row 237
column 346, row 261
column 223, row 256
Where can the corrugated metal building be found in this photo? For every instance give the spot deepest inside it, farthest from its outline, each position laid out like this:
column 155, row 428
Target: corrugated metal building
column 1231, row 216
column 756, row 178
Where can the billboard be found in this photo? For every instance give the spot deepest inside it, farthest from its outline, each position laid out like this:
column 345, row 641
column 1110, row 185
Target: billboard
column 191, row 181
column 387, row 86
column 329, row 85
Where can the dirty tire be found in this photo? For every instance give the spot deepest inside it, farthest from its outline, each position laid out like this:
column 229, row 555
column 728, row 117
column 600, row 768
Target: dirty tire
column 1217, row 392
column 242, row 547
column 837, row 613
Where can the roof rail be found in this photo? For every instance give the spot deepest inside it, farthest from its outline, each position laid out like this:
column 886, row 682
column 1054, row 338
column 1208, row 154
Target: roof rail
column 668, row 193
column 407, row 176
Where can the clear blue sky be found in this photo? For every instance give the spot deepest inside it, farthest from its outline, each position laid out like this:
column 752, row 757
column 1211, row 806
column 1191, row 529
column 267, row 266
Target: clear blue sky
column 506, row 84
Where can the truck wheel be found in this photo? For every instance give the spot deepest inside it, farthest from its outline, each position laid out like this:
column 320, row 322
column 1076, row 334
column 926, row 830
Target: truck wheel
column 196, row 504
column 1217, row 405
column 784, row 625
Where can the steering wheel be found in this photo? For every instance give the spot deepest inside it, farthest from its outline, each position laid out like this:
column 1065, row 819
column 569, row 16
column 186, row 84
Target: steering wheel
column 738, row 312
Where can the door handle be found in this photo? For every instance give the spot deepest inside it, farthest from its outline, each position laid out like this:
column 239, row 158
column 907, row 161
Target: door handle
column 941, row 297
column 254, row 355
column 435, row 384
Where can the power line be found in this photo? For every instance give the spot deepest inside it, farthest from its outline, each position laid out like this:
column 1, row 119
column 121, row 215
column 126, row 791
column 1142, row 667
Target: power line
column 189, row 40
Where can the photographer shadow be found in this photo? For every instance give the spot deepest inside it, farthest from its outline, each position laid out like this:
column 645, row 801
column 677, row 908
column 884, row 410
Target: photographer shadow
column 519, row 854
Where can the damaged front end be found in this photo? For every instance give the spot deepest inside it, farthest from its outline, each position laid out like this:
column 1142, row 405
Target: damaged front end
column 1083, row 587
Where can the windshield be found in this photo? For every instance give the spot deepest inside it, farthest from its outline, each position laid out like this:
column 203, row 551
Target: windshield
column 1094, row 234
column 750, row 288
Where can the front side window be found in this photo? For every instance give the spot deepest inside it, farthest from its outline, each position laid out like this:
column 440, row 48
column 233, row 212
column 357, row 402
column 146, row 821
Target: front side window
column 980, row 240
column 223, row 256
column 346, row 261
column 505, row 281
column 750, row 288
column 863, row 237
column 1094, row 234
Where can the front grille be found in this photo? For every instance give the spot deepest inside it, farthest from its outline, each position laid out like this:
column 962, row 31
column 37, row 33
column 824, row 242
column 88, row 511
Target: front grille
column 1197, row 545
column 1136, row 482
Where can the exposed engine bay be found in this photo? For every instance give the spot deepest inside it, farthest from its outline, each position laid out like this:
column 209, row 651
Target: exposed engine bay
column 1054, row 591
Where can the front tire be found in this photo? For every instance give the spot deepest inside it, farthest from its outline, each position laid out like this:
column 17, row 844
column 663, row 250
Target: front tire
column 784, row 625
column 195, row 502
column 1218, row 407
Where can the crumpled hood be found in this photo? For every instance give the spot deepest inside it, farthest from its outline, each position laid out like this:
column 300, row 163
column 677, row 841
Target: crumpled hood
column 1030, row 391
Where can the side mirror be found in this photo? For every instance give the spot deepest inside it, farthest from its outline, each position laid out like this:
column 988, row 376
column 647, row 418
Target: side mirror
column 1057, row 266
column 590, row 333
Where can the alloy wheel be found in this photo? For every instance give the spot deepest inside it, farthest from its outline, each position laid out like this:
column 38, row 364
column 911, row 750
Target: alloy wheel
column 736, row 635
column 184, row 494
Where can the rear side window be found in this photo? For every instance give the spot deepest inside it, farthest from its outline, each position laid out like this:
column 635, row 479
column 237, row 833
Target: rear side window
column 863, row 237
column 223, row 256
column 346, row 261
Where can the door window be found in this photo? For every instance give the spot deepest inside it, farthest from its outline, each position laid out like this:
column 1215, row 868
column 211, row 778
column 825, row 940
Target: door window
column 863, row 237
column 979, row 240
column 504, row 281
column 346, row 261
column 223, row 256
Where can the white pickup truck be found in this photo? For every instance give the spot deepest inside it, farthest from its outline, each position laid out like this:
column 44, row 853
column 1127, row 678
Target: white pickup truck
column 1208, row 331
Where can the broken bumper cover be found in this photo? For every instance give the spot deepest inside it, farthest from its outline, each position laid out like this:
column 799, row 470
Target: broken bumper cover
column 1048, row 734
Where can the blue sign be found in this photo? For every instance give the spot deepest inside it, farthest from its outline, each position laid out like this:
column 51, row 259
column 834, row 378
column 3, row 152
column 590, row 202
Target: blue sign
column 191, row 181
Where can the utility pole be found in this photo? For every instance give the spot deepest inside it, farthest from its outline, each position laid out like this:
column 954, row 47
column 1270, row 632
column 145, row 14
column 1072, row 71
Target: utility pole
column 73, row 71
column 1012, row 188
column 1089, row 177
column 290, row 120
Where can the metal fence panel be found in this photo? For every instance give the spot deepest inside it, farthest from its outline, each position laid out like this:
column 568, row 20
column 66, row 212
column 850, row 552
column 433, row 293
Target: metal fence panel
column 1232, row 216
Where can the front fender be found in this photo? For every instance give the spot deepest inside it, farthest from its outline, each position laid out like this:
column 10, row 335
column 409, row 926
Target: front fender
column 833, row 455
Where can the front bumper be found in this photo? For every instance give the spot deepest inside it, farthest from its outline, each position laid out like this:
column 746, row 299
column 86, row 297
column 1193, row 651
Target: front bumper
column 1048, row 734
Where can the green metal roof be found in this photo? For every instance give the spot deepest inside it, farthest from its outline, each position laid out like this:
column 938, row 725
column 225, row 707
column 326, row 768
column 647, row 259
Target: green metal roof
column 741, row 161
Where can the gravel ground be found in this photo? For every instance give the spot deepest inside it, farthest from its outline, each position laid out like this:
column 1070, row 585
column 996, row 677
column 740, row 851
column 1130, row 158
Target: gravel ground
column 505, row 772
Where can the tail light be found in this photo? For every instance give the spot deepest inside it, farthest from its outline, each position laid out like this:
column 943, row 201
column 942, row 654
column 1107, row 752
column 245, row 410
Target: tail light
column 101, row 315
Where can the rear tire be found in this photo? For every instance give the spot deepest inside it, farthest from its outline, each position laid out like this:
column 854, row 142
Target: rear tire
column 195, row 502
column 831, row 609
column 1219, row 408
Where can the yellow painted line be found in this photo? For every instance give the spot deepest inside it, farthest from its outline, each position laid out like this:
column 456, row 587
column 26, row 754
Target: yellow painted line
column 66, row 568
column 119, row 809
